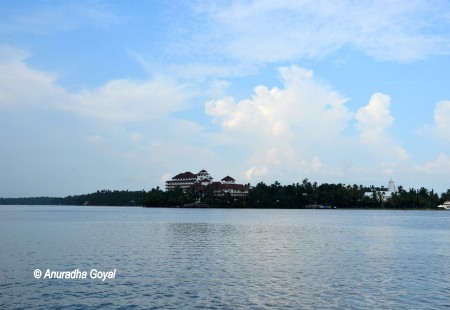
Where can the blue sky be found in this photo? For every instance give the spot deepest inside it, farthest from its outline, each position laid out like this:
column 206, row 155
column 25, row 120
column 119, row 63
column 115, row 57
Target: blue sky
column 118, row 95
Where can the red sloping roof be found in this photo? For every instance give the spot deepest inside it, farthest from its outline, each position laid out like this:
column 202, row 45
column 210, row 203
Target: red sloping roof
column 185, row 175
column 228, row 179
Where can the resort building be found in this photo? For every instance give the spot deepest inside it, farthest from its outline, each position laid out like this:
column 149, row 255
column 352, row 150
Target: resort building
column 203, row 181
column 182, row 180
column 228, row 185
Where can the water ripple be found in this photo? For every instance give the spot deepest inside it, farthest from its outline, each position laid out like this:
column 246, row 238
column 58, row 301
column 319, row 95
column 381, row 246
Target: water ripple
column 227, row 259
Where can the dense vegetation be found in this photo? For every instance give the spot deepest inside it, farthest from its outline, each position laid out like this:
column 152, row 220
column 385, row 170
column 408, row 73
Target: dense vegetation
column 27, row 201
column 298, row 195
column 99, row 198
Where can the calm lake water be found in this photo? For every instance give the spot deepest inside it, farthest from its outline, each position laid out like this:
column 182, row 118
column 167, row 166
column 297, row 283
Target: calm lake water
column 225, row 259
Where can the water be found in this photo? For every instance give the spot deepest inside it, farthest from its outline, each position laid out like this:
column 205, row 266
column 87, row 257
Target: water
column 225, row 259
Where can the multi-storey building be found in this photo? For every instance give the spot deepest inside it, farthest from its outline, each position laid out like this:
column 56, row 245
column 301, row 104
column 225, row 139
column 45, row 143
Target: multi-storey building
column 202, row 181
column 182, row 180
column 228, row 185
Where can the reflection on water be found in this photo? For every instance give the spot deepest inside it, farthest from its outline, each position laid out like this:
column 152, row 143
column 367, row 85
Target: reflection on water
column 216, row 259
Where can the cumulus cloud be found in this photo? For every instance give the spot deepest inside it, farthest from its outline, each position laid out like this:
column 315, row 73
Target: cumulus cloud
column 303, row 129
column 375, row 118
column 373, row 122
column 283, row 128
column 275, row 112
column 267, row 31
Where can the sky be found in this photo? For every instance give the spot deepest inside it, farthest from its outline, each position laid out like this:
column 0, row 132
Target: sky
column 125, row 95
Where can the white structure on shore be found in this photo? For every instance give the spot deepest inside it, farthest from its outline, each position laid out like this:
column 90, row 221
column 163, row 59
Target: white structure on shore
column 392, row 189
column 384, row 195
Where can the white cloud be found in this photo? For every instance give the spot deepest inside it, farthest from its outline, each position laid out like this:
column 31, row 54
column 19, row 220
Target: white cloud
column 283, row 133
column 275, row 112
column 120, row 132
column 375, row 118
column 440, row 166
column 281, row 129
column 267, row 31
column 118, row 100
column 192, row 71
column 442, row 121
column 255, row 172
column 302, row 130
column 373, row 121
column 128, row 100
column 22, row 86
column 207, row 80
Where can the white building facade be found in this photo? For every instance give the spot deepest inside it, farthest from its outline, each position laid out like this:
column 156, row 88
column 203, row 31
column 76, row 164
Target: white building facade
column 199, row 181
column 384, row 195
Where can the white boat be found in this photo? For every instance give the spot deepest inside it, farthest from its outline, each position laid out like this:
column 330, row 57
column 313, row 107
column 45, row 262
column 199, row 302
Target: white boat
column 445, row 205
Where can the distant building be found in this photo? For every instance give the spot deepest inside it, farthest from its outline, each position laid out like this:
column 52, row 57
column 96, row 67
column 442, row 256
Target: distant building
column 202, row 181
column 228, row 185
column 392, row 189
column 385, row 195
column 182, row 180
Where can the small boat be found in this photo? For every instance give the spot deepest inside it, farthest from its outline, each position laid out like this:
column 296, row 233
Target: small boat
column 445, row 205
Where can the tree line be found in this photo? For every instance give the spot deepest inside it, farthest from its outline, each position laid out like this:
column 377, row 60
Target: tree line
column 303, row 195
column 297, row 195
column 99, row 198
